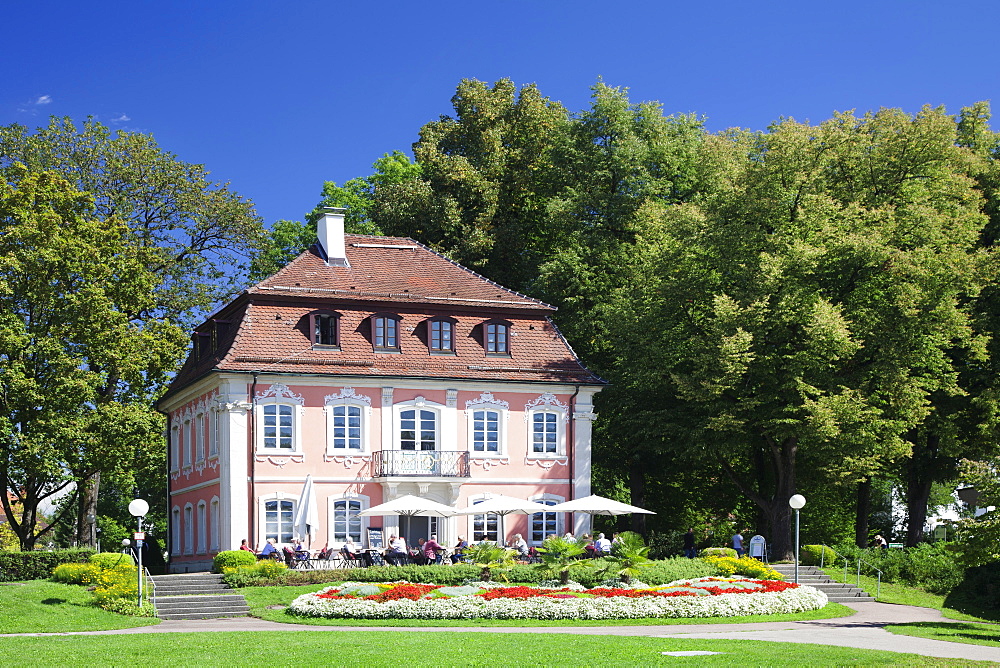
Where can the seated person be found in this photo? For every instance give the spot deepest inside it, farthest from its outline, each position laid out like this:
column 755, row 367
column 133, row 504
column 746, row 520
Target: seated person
column 349, row 550
column 520, row 546
column 289, row 555
column 269, row 551
column 301, row 553
column 602, row 545
column 417, row 553
column 459, row 549
column 396, row 554
column 433, row 551
column 325, row 553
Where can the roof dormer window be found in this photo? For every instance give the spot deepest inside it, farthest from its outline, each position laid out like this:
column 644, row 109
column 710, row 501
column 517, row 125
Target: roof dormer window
column 385, row 333
column 325, row 329
column 496, row 338
column 441, row 336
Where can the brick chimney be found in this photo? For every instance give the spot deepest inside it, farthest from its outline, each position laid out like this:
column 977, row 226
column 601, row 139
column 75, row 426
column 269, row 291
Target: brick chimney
column 330, row 234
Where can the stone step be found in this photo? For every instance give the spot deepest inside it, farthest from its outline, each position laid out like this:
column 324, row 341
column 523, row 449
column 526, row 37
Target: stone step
column 196, row 596
column 205, row 613
column 191, row 591
column 175, row 601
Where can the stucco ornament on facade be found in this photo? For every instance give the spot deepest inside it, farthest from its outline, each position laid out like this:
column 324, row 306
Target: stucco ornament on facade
column 546, row 400
column 279, row 461
column 280, row 391
column 487, row 398
column 347, row 393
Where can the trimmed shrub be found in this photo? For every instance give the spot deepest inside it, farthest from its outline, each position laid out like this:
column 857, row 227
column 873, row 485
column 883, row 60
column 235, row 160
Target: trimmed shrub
column 718, row 552
column 37, row 565
column 233, row 559
column 747, row 566
column 978, row 593
column 814, row 555
column 111, row 559
column 928, row 566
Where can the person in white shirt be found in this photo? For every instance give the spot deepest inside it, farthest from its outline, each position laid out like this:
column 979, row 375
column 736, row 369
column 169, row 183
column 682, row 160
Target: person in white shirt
column 396, row 553
column 519, row 545
column 602, row 544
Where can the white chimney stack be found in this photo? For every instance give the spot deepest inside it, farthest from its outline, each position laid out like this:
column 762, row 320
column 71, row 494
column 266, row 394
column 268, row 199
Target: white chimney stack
column 330, row 234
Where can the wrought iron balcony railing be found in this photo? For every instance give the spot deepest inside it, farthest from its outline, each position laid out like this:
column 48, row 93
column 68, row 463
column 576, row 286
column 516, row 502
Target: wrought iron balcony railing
column 432, row 463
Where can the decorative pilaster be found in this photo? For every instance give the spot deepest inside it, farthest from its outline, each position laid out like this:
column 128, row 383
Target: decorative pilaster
column 386, row 412
column 583, row 419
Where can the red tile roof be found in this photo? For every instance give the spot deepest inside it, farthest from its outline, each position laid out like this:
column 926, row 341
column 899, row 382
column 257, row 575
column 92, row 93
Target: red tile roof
column 266, row 329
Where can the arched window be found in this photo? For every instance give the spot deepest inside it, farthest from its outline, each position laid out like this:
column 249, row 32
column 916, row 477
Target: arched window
column 214, row 518
column 188, row 529
column 345, row 520
column 175, row 530
column 546, row 524
column 199, row 439
column 202, row 528
column 418, row 429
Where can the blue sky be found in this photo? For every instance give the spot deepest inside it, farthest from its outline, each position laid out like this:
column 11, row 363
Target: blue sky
column 277, row 97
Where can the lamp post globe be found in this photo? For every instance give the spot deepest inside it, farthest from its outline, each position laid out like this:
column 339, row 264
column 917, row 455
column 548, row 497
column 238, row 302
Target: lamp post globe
column 138, row 508
column 796, row 502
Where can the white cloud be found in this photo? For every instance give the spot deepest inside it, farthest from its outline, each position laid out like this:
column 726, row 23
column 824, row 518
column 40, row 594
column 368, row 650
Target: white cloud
column 121, row 119
column 44, row 99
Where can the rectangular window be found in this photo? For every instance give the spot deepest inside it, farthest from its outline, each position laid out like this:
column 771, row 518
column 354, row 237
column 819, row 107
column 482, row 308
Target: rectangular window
column 278, row 426
column 347, row 521
column 496, row 339
column 175, row 531
column 199, row 425
column 213, row 433
column 347, row 427
column 485, row 527
column 175, row 449
column 544, row 432
column 214, row 526
column 442, row 336
column 187, row 443
column 386, row 333
column 544, row 525
column 202, row 528
column 417, row 430
column 325, row 333
column 278, row 519
column 188, row 530
column 486, row 431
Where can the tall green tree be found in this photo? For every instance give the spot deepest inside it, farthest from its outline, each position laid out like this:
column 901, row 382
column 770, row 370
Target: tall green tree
column 77, row 369
column 815, row 296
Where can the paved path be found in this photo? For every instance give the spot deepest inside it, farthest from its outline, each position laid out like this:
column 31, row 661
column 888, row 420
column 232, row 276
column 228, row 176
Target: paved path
column 863, row 630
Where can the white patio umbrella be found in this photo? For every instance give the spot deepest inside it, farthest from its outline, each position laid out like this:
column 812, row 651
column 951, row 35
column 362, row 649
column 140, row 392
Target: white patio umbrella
column 597, row 505
column 498, row 504
column 410, row 506
column 307, row 514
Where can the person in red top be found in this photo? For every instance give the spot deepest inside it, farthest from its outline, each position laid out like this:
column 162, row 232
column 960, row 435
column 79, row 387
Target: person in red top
column 244, row 546
column 432, row 550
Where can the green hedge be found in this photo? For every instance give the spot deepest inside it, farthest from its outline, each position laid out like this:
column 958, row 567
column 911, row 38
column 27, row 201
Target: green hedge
column 659, row 572
column 39, row 564
column 814, row 555
column 232, row 559
column 929, row 566
column 717, row 552
column 112, row 559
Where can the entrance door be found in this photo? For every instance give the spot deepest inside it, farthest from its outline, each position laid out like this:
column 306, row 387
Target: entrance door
column 414, row 528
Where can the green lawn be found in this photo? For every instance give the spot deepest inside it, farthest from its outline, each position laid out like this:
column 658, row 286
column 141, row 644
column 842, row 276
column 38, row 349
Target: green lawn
column 40, row 606
column 259, row 598
column 390, row 648
column 906, row 595
column 973, row 634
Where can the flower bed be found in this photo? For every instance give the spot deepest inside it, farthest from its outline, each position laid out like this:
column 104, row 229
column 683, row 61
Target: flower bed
column 702, row 597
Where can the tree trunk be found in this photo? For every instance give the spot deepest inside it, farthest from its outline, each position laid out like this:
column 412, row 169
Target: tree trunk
column 861, row 513
column 89, row 508
column 637, row 487
column 922, row 468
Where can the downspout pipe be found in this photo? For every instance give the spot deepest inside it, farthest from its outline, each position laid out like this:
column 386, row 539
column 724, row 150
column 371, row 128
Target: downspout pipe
column 571, row 436
column 252, row 482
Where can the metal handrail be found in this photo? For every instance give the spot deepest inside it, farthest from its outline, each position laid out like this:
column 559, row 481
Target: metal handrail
column 878, row 585
column 151, row 584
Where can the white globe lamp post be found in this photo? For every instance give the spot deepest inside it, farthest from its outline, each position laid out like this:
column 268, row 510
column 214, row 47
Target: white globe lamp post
column 138, row 509
column 796, row 503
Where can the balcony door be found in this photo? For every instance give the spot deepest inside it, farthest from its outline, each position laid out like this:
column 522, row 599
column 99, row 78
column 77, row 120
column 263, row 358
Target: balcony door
column 418, row 442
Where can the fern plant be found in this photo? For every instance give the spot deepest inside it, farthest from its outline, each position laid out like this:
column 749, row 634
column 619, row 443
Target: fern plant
column 488, row 555
column 629, row 555
column 561, row 555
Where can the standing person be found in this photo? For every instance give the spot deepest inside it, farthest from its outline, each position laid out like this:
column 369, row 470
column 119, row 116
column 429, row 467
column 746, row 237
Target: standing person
column 244, row 546
column 689, row 543
column 738, row 543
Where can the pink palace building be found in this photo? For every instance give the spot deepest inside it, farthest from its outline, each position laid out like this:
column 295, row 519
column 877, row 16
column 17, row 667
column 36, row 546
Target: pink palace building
column 379, row 368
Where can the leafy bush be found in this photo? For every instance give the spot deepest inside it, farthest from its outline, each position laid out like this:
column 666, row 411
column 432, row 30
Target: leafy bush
column 718, row 552
column 245, row 576
column 931, row 567
column 814, row 555
column 233, row 559
column 111, row 559
column 115, row 583
column 747, row 566
column 78, row 574
column 37, row 565
column 127, row 606
column 978, row 592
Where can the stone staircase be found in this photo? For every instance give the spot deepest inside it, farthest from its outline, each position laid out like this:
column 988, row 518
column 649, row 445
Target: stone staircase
column 837, row 592
column 196, row 596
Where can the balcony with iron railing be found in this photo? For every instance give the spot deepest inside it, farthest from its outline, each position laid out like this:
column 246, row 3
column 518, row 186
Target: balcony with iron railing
column 425, row 463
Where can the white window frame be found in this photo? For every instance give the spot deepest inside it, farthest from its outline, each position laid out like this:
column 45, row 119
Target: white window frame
column 175, row 449
column 175, row 530
column 347, row 398
column 188, row 528
column 199, row 438
column 479, row 498
column 186, row 431
column 331, row 502
column 297, row 410
column 547, row 403
column 262, row 514
column 548, row 500
column 418, row 404
column 215, row 516
column 213, row 433
column 202, row 527
column 470, row 421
